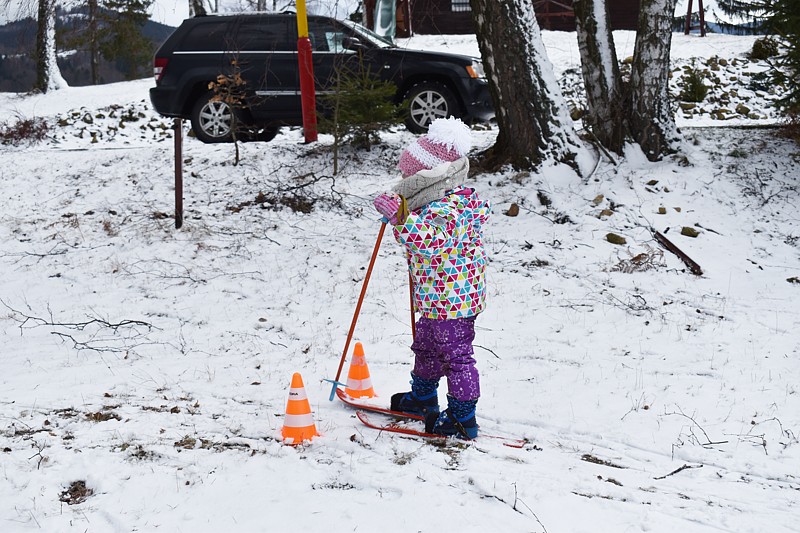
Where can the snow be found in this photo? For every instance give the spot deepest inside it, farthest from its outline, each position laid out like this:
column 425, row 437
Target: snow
column 154, row 364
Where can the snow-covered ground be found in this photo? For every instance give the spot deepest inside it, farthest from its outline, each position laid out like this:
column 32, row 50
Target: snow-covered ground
column 154, row 364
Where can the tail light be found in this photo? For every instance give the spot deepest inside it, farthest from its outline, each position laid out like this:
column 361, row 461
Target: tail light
column 159, row 64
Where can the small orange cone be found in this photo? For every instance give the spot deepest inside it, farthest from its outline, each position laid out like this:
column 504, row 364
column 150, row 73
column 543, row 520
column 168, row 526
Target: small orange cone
column 359, row 384
column 298, row 424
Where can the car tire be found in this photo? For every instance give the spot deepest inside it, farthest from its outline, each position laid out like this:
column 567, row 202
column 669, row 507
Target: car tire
column 212, row 120
column 261, row 134
column 428, row 101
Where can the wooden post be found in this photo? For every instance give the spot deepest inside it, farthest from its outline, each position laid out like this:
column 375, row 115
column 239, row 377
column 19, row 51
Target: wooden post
column 687, row 27
column 702, row 18
column 178, row 127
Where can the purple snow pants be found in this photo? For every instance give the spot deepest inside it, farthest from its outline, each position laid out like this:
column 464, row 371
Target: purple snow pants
column 444, row 348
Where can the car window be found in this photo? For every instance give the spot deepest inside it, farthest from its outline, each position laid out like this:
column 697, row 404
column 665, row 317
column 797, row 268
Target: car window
column 369, row 35
column 263, row 34
column 325, row 36
column 206, row 36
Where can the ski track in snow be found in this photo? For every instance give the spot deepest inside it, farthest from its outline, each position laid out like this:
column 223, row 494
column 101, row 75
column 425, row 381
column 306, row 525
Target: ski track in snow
column 155, row 364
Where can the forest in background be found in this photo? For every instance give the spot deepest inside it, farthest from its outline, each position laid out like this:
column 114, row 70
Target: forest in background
column 18, row 55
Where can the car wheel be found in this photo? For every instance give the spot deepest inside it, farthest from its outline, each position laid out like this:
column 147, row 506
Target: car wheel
column 212, row 120
column 428, row 101
column 262, row 134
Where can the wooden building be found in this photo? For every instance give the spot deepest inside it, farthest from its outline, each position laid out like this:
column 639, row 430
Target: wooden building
column 455, row 17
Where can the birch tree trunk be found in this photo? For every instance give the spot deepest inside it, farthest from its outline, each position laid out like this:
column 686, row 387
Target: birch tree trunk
column 532, row 118
column 605, row 116
column 651, row 120
column 48, row 75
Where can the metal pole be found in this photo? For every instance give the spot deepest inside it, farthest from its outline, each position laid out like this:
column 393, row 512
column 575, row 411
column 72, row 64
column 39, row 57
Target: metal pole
column 307, row 91
column 178, row 127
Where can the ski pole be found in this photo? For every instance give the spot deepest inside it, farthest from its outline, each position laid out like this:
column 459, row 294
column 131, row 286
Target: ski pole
column 335, row 381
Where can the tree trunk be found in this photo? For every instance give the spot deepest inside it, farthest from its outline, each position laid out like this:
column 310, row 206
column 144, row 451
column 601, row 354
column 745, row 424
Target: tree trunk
column 48, row 76
column 605, row 116
column 196, row 8
column 532, row 118
column 651, row 120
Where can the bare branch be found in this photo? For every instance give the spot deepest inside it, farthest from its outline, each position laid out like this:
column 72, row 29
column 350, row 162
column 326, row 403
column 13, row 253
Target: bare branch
column 681, row 469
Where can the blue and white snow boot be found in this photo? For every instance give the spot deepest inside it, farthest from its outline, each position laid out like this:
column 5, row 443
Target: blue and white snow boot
column 457, row 420
column 422, row 399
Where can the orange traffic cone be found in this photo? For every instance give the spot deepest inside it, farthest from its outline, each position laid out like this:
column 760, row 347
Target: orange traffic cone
column 298, row 424
column 359, row 384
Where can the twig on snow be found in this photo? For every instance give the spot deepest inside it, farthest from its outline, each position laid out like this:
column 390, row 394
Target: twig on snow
column 488, row 350
column 708, row 442
column 516, row 499
column 681, row 469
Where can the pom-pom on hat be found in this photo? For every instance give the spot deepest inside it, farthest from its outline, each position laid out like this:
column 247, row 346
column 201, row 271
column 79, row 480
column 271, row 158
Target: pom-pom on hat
column 448, row 139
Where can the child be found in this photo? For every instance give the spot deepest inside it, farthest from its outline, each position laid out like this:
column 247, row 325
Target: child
column 439, row 222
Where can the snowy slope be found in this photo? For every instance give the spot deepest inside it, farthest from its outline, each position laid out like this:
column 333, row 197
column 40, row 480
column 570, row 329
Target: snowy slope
column 154, row 364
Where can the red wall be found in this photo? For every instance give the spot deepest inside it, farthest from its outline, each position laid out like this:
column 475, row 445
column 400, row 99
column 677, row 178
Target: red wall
column 435, row 16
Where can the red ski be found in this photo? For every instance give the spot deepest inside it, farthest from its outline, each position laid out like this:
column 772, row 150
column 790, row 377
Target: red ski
column 399, row 427
column 355, row 404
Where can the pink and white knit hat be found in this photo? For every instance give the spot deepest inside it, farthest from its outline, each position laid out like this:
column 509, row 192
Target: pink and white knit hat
column 448, row 139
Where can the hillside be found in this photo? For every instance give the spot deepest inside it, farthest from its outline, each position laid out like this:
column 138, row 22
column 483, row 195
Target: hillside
column 18, row 45
column 145, row 370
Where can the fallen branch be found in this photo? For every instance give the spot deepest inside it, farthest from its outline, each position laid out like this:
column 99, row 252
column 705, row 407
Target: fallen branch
column 708, row 442
column 124, row 331
column 666, row 243
column 681, row 469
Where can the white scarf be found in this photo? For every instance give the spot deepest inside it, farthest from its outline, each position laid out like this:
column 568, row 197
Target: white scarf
column 431, row 184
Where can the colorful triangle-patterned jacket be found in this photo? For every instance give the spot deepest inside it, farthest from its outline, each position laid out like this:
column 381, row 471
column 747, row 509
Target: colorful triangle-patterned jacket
column 444, row 244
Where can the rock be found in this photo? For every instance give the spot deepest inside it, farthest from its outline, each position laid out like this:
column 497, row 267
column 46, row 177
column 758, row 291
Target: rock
column 742, row 109
column 722, row 114
column 606, row 213
column 687, row 106
column 662, row 210
column 613, row 238
column 689, row 232
column 652, row 183
column 678, row 209
column 513, row 210
column 598, row 199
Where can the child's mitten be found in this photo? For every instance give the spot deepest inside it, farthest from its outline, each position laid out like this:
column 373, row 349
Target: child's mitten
column 387, row 205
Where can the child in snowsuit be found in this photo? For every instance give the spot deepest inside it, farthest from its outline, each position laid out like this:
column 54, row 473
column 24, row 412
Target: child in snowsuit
column 439, row 222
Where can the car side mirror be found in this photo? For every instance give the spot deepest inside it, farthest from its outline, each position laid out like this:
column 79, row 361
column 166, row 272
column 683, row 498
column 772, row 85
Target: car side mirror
column 352, row 43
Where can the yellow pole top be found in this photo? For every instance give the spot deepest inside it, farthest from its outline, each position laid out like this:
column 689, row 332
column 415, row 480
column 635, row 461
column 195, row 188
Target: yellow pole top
column 302, row 20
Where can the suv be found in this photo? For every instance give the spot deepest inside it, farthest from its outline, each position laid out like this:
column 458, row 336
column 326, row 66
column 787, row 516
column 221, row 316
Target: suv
column 259, row 50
